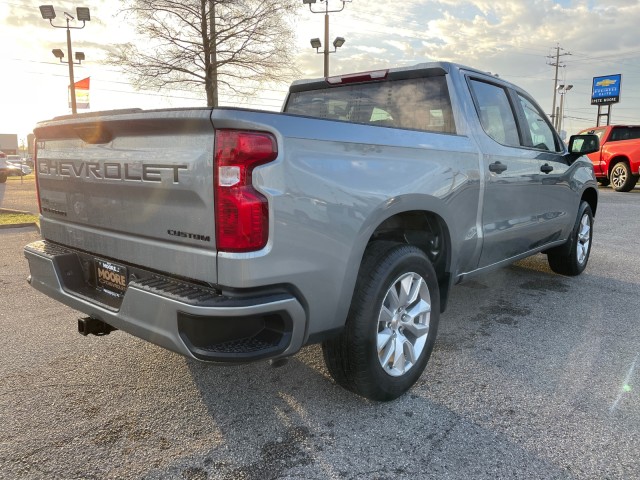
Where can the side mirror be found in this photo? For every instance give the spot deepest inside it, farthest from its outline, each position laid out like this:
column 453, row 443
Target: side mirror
column 582, row 145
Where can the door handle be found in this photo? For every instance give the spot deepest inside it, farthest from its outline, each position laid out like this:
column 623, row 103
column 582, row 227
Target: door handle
column 546, row 168
column 497, row 167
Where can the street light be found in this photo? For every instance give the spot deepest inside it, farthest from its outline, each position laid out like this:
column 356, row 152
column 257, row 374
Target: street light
column 315, row 42
column 60, row 55
column 562, row 90
column 83, row 15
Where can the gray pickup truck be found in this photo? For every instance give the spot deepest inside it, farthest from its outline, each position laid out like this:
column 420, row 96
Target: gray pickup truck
column 233, row 235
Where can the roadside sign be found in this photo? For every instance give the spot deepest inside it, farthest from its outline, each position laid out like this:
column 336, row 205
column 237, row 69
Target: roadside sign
column 606, row 90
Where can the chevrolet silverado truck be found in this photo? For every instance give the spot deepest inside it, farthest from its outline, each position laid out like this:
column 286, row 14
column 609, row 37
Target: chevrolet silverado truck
column 234, row 235
column 617, row 162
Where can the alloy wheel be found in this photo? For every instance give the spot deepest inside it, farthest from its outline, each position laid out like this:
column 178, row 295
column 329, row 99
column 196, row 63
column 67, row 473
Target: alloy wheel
column 403, row 324
column 618, row 175
column 584, row 239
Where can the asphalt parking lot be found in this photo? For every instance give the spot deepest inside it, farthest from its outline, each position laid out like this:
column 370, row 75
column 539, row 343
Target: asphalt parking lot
column 19, row 194
column 533, row 375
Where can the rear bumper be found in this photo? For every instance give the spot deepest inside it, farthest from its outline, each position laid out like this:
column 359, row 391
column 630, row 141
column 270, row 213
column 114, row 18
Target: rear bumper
column 184, row 317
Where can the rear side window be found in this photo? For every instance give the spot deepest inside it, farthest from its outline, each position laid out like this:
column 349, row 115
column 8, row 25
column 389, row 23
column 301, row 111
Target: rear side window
column 495, row 112
column 625, row 133
column 416, row 104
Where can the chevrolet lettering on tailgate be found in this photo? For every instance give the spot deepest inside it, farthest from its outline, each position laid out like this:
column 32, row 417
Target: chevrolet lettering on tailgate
column 108, row 170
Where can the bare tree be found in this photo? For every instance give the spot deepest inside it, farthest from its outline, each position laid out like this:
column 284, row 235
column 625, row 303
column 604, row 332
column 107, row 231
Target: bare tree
column 209, row 43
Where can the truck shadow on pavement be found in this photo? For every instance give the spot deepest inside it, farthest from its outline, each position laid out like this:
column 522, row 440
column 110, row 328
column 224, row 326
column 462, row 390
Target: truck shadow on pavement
column 525, row 381
column 294, row 422
column 510, row 373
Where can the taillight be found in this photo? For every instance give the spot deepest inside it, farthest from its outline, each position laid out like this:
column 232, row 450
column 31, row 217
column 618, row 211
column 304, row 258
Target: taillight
column 35, row 172
column 242, row 213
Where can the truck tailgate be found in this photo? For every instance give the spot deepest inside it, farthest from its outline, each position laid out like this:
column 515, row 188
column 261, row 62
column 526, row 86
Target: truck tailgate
column 137, row 187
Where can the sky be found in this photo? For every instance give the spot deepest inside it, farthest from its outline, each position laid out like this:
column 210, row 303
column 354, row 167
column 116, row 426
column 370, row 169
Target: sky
column 516, row 40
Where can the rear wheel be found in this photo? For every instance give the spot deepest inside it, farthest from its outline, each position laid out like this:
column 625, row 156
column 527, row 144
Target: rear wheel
column 391, row 326
column 621, row 178
column 572, row 258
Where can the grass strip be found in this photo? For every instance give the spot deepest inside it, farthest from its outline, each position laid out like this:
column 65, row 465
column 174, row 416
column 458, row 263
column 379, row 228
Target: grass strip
column 10, row 219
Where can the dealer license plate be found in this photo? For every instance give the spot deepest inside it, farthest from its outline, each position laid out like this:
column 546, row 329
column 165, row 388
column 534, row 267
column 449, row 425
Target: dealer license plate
column 111, row 278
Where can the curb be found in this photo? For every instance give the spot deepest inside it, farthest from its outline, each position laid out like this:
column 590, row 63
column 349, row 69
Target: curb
column 18, row 225
column 11, row 210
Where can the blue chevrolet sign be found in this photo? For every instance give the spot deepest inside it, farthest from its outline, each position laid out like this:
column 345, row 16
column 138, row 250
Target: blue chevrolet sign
column 606, row 90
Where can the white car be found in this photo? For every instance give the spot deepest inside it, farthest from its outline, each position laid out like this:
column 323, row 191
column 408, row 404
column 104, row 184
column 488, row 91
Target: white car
column 4, row 168
column 18, row 168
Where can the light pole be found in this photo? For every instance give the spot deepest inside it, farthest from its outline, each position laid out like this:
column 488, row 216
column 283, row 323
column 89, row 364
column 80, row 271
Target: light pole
column 315, row 42
column 562, row 90
column 83, row 15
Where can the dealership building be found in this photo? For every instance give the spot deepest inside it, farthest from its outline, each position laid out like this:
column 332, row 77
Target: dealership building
column 9, row 145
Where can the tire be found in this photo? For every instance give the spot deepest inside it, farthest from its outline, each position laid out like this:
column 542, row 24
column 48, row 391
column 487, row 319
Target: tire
column 396, row 306
column 604, row 182
column 3, row 177
column 572, row 258
column 621, row 178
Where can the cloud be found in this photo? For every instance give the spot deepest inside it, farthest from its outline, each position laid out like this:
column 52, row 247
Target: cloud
column 514, row 39
column 371, row 50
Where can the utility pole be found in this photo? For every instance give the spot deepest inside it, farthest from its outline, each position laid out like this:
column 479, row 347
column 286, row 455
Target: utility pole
column 556, row 63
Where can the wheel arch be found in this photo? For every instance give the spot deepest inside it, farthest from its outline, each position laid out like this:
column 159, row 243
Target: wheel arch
column 426, row 229
column 590, row 195
column 617, row 159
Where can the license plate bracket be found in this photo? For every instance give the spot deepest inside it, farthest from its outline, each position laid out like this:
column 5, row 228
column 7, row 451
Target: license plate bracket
column 111, row 278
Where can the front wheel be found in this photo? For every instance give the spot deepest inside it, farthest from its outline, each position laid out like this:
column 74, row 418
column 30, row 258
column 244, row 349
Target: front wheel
column 391, row 326
column 572, row 258
column 621, row 178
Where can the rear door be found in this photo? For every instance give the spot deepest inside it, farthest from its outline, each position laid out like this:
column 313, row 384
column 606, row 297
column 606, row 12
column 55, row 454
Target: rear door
column 509, row 218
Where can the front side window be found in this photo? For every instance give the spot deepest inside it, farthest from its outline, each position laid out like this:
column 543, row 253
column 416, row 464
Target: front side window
column 598, row 132
column 495, row 113
column 416, row 104
column 542, row 136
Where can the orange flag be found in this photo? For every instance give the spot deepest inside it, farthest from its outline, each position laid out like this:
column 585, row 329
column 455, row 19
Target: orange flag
column 82, row 93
